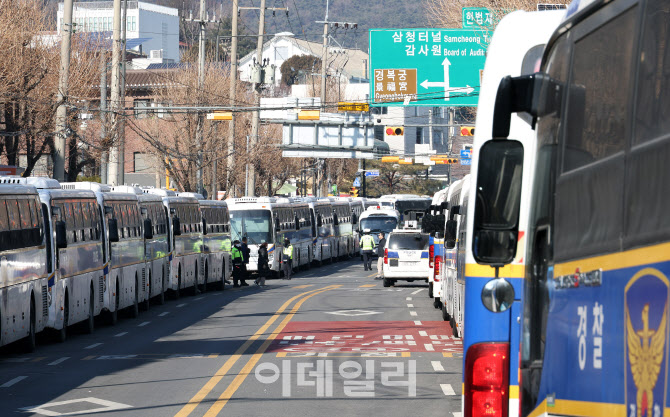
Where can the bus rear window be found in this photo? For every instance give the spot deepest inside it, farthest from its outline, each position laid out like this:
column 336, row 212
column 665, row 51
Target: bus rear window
column 408, row 241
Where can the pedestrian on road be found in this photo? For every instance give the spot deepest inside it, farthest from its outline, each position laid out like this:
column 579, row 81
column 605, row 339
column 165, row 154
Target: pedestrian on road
column 287, row 259
column 238, row 265
column 263, row 267
column 367, row 244
column 380, row 253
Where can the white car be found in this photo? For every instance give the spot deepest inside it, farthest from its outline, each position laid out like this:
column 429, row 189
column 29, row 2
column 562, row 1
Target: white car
column 406, row 256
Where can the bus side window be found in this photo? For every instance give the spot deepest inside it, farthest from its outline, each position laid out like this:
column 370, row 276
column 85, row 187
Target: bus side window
column 4, row 226
column 47, row 233
column 78, row 220
column 13, row 211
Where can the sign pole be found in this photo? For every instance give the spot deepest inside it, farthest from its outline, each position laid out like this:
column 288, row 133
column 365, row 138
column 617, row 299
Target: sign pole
column 364, row 178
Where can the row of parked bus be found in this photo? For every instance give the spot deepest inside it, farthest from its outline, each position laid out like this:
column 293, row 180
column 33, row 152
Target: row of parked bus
column 72, row 251
column 552, row 258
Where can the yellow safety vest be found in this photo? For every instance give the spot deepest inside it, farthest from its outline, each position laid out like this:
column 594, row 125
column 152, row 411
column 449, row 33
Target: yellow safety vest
column 288, row 251
column 367, row 242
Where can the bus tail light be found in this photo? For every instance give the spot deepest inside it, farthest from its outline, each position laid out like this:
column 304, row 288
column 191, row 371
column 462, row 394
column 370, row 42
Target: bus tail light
column 386, row 255
column 431, row 254
column 487, row 380
column 438, row 260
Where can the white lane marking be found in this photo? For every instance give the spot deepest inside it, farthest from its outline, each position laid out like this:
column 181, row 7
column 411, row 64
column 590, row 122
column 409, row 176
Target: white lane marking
column 423, row 333
column 437, row 366
column 121, row 334
column 408, row 298
column 418, row 323
column 418, row 291
column 165, row 313
column 410, row 305
column 13, row 381
column 447, row 389
column 143, row 324
column 59, row 361
column 181, row 305
column 412, row 313
column 198, row 299
column 94, row 345
column 457, row 413
column 102, row 406
column 429, row 347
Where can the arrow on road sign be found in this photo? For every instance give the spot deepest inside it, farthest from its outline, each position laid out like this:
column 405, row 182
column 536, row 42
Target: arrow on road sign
column 446, row 64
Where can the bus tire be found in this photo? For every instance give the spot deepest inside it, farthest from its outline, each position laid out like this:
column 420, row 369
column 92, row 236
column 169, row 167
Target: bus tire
column 430, row 290
column 437, row 303
column 204, row 282
column 195, row 282
column 135, row 308
column 30, row 342
column 454, row 328
column 147, row 302
column 90, row 323
column 161, row 296
column 61, row 334
column 114, row 315
column 177, row 292
column 445, row 314
column 222, row 284
column 387, row 282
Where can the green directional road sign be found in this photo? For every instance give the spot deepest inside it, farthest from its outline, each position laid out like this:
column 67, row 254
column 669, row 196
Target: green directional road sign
column 426, row 67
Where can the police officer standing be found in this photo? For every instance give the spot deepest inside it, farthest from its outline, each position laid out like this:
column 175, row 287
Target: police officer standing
column 238, row 264
column 367, row 244
column 287, row 259
column 380, row 253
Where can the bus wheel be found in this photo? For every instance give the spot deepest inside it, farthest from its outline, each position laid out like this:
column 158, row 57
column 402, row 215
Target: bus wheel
column 204, row 283
column 437, row 303
column 222, row 285
column 114, row 315
column 90, row 323
column 430, row 290
column 147, row 302
column 30, row 341
column 135, row 309
column 195, row 282
column 161, row 296
column 177, row 292
column 445, row 314
column 387, row 282
column 275, row 275
column 61, row 335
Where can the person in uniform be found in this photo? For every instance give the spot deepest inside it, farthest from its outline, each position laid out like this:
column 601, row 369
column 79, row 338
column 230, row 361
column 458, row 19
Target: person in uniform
column 287, row 259
column 238, row 264
column 263, row 268
column 380, row 253
column 367, row 244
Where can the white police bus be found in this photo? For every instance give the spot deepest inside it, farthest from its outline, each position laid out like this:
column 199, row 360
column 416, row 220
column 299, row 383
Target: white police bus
column 217, row 265
column 302, row 237
column 323, row 229
column 25, row 271
column 184, row 239
column 123, row 227
column 342, row 220
column 75, row 254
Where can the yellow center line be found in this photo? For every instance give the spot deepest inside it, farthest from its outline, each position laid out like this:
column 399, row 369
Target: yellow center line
column 303, row 286
column 209, row 386
column 372, row 275
column 242, row 375
column 368, row 285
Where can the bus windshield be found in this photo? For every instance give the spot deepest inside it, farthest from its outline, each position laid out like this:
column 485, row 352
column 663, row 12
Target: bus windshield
column 256, row 225
column 379, row 224
column 404, row 206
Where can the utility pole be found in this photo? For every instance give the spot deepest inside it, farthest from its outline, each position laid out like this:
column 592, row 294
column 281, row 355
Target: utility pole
column 324, row 65
column 256, row 117
column 230, row 156
column 122, row 125
column 202, row 21
column 113, row 166
column 61, row 112
column 103, row 115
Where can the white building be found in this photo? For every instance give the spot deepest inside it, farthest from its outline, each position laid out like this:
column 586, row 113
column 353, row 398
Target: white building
column 345, row 63
column 155, row 28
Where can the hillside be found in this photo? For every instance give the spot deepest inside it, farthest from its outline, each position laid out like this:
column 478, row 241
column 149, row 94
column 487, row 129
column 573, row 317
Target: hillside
column 303, row 14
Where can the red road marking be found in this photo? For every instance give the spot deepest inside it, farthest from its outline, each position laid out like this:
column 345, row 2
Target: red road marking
column 365, row 337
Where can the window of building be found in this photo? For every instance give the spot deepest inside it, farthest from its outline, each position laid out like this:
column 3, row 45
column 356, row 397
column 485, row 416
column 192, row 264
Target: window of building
column 140, row 162
column 281, row 53
column 419, row 135
column 139, row 105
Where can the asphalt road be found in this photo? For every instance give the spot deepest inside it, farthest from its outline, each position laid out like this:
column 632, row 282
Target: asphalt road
column 330, row 342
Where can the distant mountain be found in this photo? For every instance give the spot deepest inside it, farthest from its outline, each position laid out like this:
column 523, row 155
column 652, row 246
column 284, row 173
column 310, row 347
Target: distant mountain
column 304, row 13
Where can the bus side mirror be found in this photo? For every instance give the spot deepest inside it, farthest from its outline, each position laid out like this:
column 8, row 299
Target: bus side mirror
column 297, row 223
column 319, row 221
column 354, row 218
column 204, row 226
column 496, row 220
column 113, row 228
column 176, row 226
column 148, row 229
column 336, row 221
column 277, row 226
column 61, row 235
column 450, row 234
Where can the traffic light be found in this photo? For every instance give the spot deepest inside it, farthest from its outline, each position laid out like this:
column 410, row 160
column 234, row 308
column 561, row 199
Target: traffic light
column 467, row 131
column 395, row 131
column 447, row 161
column 354, row 192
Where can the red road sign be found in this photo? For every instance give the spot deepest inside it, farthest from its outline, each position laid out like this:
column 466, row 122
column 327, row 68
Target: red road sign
column 366, row 337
